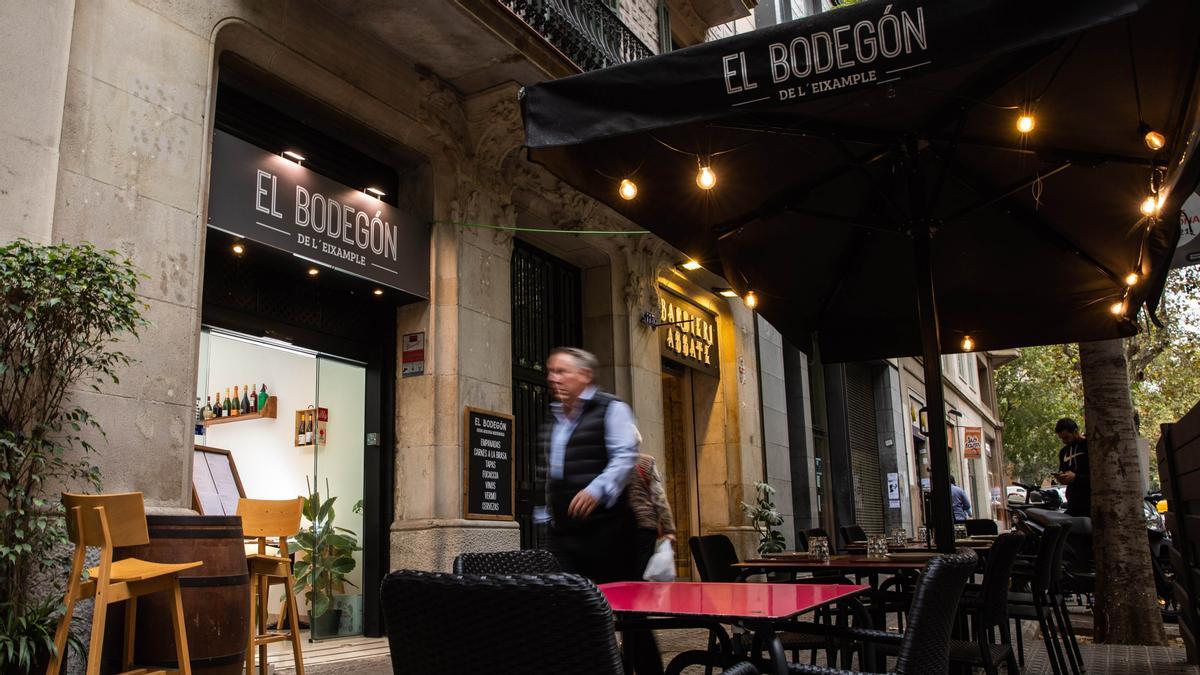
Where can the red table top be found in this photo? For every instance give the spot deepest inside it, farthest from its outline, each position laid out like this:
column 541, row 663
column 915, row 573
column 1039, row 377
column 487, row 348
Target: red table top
column 723, row 600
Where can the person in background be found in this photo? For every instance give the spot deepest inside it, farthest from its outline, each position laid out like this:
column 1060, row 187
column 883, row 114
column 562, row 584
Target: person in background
column 652, row 512
column 1073, row 468
column 960, row 505
column 590, row 449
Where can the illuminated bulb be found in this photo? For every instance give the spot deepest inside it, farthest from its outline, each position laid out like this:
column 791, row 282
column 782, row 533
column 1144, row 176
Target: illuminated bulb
column 1131, row 279
column 239, row 249
column 1149, row 206
column 378, row 291
column 627, row 190
column 312, row 271
column 968, row 344
column 751, row 300
column 1155, row 140
column 705, row 178
column 690, row 265
column 1025, row 123
column 1118, row 308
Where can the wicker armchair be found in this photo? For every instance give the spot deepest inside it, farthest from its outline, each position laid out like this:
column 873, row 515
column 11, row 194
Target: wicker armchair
column 532, row 561
column 549, row 623
column 925, row 646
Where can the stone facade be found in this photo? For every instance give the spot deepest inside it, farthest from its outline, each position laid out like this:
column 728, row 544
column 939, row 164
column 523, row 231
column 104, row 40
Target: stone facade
column 107, row 138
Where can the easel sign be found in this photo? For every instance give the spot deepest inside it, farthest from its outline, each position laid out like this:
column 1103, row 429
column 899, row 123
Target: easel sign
column 216, row 486
column 488, row 488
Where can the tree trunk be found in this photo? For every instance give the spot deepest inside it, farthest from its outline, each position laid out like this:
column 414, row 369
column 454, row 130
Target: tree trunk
column 1126, row 610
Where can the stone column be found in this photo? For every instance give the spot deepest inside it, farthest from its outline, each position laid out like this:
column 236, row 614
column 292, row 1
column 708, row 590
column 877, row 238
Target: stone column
column 775, row 413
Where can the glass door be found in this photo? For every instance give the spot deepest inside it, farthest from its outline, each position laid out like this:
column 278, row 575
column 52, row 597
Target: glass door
column 335, row 428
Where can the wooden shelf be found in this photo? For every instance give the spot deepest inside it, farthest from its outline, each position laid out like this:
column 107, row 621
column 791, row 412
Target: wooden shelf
column 268, row 412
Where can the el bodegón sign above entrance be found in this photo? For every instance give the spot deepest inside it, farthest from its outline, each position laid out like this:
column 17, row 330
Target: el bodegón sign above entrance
column 275, row 201
column 688, row 334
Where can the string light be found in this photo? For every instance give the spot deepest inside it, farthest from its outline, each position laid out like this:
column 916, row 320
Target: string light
column 1149, row 206
column 238, row 248
column 706, row 179
column 1118, row 308
column 312, row 271
column 1155, row 140
column 1026, row 123
column 968, row 344
column 628, row 189
column 750, row 299
column 1132, row 278
column 378, row 291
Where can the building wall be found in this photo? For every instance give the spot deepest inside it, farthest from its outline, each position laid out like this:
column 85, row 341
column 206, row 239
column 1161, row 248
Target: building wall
column 775, row 425
column 642, row 18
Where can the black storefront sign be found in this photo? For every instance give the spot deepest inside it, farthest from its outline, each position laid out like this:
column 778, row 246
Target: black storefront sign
column 688, row 333
column 487, row 465
column 275, row 201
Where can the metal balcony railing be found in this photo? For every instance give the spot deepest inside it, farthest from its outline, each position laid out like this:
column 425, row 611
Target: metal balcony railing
column 586, row 31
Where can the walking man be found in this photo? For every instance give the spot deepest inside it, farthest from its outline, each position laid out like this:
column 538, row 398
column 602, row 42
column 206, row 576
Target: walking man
column 960, row 505
column 590, row 447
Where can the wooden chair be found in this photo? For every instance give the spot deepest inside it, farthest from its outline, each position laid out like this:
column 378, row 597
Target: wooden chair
column 262, row 518
column 106, row 522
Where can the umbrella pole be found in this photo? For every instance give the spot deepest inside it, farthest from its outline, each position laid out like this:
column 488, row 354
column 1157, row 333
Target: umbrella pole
column 943, row 520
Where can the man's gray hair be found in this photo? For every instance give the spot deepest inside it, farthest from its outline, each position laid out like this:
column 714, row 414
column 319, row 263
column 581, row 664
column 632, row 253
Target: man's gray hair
column 584, row 360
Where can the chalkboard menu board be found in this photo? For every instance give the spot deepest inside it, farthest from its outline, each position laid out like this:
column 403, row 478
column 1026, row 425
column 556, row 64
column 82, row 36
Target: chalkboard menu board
column 487, row 465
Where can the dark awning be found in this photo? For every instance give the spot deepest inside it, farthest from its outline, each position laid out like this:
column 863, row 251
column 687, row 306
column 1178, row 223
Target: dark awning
column 816, row 128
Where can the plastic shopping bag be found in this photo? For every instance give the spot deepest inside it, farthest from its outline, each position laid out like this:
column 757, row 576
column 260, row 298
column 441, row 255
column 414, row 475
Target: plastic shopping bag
column 662, row 564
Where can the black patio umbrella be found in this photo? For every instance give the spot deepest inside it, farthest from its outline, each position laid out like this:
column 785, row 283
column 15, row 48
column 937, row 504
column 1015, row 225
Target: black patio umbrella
column 894, row 178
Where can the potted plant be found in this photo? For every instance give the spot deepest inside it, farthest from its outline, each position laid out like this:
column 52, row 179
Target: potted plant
column 62, row 307
column 328, row 558
column 764, row 518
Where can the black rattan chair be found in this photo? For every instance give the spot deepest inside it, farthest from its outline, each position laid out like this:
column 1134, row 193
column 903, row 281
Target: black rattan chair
column 531, row 561
column 801, row 541
column 924, row 648
column 981, row 526
column 715, row 557
column 546, row 623
column 853, row 534
column 987, row 607
column 1045, row 603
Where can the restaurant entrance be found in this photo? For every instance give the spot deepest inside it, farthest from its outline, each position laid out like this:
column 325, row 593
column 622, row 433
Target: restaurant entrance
column 678, row 467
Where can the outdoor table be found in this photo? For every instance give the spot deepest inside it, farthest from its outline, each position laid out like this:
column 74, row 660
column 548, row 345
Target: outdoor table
column 759, row 608
column 978, row 544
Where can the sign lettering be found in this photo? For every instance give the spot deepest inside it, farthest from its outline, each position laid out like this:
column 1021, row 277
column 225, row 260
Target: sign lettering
column 487, row 465
column 689, row 333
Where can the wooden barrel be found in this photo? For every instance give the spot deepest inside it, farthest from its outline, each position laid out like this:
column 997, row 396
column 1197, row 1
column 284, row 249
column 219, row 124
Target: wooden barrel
column 216, row 596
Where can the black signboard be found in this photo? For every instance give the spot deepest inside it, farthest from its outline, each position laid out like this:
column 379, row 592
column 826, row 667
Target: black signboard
column 276, row 201
column 687, row 333
column 487, row 465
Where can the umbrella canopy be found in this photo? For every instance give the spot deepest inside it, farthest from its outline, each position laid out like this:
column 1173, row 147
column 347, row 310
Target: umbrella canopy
column 894, row 177
column 835, row 139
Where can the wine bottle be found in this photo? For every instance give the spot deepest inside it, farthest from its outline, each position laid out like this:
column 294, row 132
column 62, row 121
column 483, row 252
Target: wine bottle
column 254, row 400
column 237, row 402
column 300, row 430
column 246, row 400
column 228, row 404
column 208, row 409
column 308, row 428
column 262, row 397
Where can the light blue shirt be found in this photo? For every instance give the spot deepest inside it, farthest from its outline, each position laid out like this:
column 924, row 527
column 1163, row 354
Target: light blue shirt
column 959, row 504
column 620, row 442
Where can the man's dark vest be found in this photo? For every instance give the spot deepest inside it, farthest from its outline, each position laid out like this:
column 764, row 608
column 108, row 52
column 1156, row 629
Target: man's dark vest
column 584, row 459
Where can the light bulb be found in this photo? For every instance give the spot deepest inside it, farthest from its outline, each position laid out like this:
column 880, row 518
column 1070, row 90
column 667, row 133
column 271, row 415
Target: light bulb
column 239, row 249
column 1025, row 123
column 1149, row 205
column 1118, row 308
column 312, row 271
column 968, row 344
column 1155, row 140
column 628, row 189
column 1131, row 279
column 705, row 178
column 751, row 300
column 378, row 291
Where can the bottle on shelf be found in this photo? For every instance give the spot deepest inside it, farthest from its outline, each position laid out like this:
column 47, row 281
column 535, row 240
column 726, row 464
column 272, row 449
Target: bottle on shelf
column 245, row 407
column 254, row 400
column 219, row 409
column 308, row 428
column 262, row 397
column 208, row 409
column 300, row 429
column 237, row 404
column 228, row 404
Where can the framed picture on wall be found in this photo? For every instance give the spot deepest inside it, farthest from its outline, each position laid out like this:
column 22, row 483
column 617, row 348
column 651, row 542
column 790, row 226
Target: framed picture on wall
column 216, row 486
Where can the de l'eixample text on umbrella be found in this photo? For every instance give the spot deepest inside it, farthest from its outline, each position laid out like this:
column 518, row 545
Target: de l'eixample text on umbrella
column 909, row 177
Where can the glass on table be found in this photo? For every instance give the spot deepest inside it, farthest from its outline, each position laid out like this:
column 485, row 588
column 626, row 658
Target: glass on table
column 877, row 546
column 960, row 531
column 899, row 537
column 819, row 546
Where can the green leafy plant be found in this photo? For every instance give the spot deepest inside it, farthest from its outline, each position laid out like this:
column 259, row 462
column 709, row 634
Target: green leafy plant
column 764, row 517
column 27, row 635
column 62, row 308
column 328, row 554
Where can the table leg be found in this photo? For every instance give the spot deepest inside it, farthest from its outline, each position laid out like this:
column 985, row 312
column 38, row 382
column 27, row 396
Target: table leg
column 767, row 636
